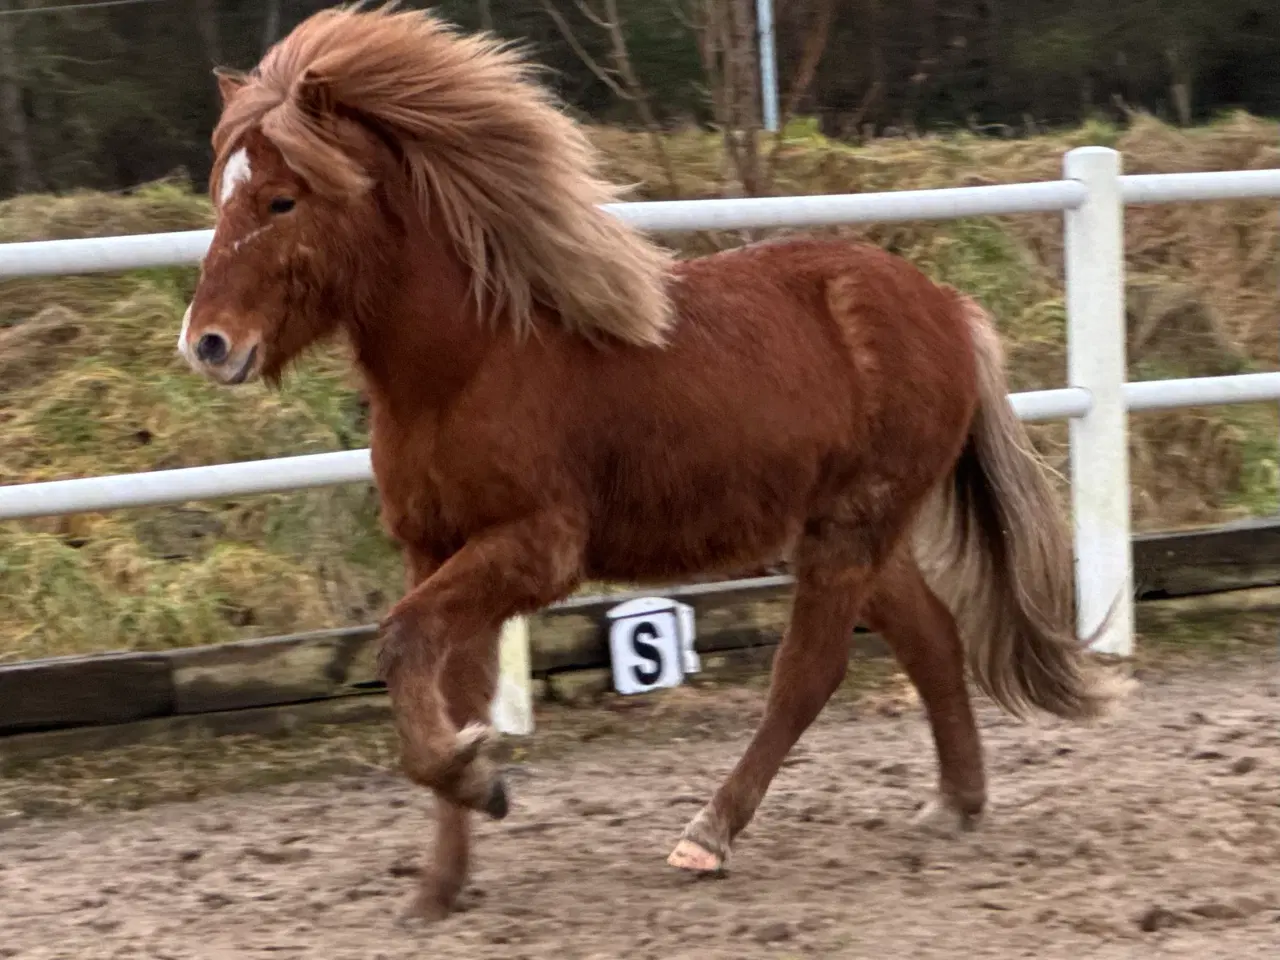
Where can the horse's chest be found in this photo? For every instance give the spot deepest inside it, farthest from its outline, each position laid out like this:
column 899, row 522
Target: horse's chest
column 411, row 506
column 409, row 489
column 437, row 489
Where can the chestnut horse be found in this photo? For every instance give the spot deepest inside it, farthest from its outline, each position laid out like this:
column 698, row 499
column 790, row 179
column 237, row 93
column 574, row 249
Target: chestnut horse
column 554, row 398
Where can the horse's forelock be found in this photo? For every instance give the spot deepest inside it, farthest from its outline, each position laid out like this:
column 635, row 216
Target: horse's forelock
column 305, row 145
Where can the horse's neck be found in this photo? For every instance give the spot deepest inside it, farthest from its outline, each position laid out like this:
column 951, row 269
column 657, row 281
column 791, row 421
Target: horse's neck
column 424, row 342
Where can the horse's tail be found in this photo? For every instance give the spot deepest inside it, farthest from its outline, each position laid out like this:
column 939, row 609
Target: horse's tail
column 995, row 547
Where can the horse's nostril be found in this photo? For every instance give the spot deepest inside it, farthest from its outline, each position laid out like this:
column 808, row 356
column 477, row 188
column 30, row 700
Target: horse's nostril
column 212, row 348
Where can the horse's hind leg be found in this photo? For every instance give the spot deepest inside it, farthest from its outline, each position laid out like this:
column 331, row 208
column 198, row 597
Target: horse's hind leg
column 809, row 666
column 923, row 635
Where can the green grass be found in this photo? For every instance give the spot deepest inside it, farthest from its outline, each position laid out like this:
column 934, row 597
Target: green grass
column 1258, row 428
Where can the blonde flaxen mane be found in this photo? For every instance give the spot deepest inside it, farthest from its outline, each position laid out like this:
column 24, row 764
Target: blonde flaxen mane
column 512, row 178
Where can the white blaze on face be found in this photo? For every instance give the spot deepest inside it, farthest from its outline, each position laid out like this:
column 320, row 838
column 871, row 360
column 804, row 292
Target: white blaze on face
column 236, row 172
column 182, row 335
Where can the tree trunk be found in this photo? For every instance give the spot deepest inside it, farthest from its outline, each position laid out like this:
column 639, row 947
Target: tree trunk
column 925, row 13
column 995, row 52
column 210, row 35
column 13, row 121
column 879, row 69
column 271, row 28
column 1180, row 82
column 747, row 113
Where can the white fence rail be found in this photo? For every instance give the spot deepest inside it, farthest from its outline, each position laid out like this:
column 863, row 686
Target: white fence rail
column 1092, row 196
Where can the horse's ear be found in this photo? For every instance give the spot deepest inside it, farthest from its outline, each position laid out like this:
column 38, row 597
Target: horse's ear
column 314, row 94
column 229, row 83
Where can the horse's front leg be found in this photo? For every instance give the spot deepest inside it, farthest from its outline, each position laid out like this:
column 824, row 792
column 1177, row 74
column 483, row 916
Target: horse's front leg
column 439, row 650
column 467, row 697
column 448, row 866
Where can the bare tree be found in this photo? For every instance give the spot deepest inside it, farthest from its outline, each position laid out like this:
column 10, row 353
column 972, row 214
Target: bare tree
column 1180, row 72
column 727, row 43
column 210, row 34
column 619, row 74
column 271, row 26
column 743, row 67
column 725, row 34
column 816, row 34
column 13, row 119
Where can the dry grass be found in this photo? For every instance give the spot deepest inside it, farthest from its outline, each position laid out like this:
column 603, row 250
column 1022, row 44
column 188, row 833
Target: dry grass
column 90, row 383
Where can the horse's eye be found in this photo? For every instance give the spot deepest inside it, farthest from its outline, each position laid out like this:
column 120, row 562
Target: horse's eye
column 282, row 204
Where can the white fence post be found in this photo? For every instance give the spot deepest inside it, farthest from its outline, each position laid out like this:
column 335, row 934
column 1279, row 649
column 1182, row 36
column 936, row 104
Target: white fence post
column 512, row 708
column 1096, row 362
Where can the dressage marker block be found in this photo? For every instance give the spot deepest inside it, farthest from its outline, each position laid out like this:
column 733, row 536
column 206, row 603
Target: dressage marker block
column 651, row 644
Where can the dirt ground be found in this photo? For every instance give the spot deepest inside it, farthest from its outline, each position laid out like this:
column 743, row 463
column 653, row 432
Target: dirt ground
column 1158, row 835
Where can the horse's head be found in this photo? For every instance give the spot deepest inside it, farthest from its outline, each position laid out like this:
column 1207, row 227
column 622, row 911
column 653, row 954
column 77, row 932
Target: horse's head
column 279, row 272
column 364, row 138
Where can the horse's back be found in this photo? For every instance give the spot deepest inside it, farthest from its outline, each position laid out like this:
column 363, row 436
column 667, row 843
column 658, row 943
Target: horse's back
column 844, row 338
column 795, row 369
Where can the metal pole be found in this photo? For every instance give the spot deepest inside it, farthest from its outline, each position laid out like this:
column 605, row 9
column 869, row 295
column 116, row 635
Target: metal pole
column 768, row 64
column 1096, row 362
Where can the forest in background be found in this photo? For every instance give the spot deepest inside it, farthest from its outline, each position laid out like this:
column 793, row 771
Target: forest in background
column 107, row 94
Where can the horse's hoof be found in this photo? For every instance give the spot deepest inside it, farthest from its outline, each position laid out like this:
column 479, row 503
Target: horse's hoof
column 695, row 858
column 496, row 804
column 941, row 816
column 425, row 908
